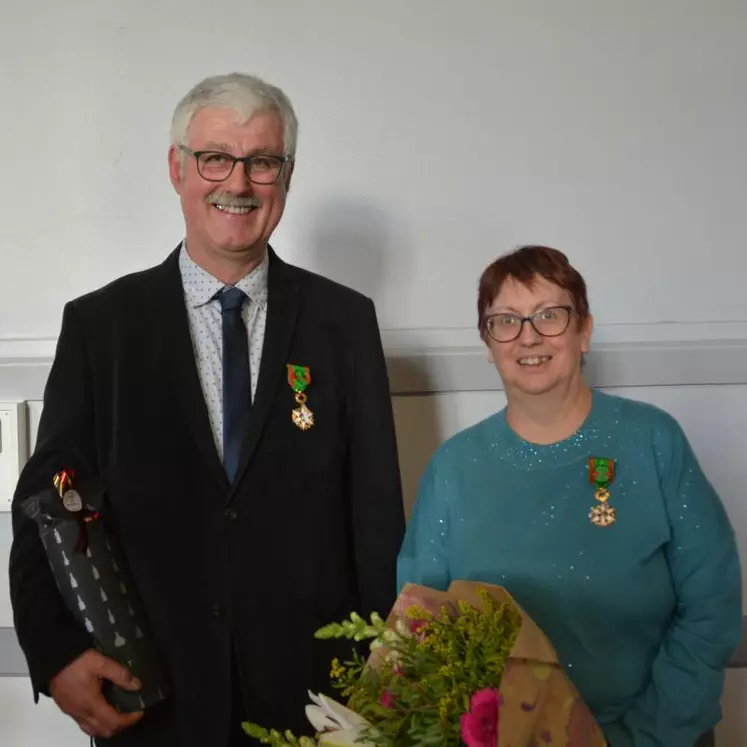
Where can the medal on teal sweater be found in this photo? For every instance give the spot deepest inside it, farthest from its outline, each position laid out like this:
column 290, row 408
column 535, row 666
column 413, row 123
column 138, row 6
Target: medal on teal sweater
column 601, row 475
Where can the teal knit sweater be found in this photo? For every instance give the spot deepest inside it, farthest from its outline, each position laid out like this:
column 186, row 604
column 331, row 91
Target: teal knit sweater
column 644, row 613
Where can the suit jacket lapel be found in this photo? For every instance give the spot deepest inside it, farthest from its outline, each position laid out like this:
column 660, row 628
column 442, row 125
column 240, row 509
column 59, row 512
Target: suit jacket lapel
column 282, row 313
column 183, row 367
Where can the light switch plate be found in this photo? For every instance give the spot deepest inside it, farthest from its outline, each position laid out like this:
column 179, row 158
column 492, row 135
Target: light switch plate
column 13, row 448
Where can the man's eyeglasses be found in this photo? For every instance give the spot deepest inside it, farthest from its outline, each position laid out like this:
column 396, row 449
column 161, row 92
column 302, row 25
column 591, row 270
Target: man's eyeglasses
column 551, row 321
column 214, row 166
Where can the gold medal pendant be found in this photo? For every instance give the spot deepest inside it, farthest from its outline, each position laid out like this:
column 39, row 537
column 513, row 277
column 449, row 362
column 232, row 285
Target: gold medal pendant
column 299, row 378
column 601, row 475
column 602, row 515
column 303, row 418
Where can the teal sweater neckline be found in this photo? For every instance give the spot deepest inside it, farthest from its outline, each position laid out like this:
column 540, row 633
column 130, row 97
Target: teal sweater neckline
column 525, row 455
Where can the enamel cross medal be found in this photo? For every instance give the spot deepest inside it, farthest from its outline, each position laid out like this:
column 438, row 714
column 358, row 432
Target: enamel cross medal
column 299, row 378
column 601, row 475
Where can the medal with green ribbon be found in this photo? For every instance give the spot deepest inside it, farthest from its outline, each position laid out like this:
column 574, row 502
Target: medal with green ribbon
column 601, row 475
column 299, row 378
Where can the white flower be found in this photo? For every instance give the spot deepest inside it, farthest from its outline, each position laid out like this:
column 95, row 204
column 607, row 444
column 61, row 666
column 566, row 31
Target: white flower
column 338, row 725
column 401, row 627
column 329, row 714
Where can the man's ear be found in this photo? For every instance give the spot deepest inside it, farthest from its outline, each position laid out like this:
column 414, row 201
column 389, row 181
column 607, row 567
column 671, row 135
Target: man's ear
column 288, row 174
column 176, row 168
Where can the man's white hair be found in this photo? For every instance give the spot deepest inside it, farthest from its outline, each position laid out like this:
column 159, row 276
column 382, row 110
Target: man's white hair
column 246, row 95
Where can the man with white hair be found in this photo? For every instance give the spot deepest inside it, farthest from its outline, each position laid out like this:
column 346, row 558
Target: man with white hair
column 238, row 410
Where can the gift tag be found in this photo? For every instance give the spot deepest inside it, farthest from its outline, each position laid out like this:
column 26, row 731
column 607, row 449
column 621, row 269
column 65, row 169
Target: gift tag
column 72, row 501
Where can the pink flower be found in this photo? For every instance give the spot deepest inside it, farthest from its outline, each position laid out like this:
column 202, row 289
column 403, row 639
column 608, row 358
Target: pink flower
column 480, row 724
column 418, row 628
column 387, row 699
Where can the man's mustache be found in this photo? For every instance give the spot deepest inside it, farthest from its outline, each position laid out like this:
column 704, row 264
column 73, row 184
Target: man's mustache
column 228, row 200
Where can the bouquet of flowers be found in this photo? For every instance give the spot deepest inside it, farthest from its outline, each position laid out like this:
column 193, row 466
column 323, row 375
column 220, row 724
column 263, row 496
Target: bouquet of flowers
column 466, row 666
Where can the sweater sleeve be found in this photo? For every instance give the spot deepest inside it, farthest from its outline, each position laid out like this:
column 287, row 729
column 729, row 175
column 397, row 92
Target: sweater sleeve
column 423, row 558
column 681, row 701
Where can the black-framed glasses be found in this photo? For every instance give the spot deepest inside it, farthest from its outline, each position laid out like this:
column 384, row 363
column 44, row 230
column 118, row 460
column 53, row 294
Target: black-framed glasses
column 215, row 166
column 552, row 321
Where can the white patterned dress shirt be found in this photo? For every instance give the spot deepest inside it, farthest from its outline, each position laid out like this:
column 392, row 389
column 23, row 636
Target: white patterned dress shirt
column 206, row 329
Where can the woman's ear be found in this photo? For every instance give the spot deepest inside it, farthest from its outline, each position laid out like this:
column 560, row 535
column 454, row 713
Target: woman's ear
column 586, row 330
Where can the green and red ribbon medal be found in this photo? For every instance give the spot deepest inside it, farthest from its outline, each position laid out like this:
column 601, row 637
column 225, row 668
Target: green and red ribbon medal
column 71, row 500
column 299, row 378
column 601, row 476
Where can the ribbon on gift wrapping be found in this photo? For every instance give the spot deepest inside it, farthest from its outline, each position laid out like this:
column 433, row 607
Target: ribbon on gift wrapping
column 71, row 505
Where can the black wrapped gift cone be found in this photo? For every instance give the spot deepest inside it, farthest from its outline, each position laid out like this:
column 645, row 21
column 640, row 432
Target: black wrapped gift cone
column 92, row 576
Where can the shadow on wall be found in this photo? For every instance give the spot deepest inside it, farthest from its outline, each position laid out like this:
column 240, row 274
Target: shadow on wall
column 362, row 246
column 359, row 245
column 417, row 421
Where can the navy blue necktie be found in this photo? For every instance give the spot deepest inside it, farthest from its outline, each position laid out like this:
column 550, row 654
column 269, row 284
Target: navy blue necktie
column 237, row 391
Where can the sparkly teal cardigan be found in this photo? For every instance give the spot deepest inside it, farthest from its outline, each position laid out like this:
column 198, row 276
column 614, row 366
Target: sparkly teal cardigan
column 644, row 613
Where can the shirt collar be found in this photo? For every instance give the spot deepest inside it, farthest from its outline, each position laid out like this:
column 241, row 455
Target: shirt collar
column 200, row 287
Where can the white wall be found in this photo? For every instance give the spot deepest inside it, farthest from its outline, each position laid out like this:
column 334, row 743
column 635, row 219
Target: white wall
column 434, row 135
column 24, row 724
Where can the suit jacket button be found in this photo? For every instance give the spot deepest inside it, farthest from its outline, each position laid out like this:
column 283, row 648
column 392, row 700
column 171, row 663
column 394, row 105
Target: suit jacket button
column 217, row 610
column 231, row 514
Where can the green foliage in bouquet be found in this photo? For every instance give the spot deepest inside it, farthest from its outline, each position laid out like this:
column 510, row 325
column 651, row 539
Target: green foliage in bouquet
column 275, row 738
column 432, row 668
column 425, row 673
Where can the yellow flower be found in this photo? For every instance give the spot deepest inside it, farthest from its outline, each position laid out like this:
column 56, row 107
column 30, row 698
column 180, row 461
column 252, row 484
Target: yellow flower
column 337, row 672
column 415, row 612
column 444, row 707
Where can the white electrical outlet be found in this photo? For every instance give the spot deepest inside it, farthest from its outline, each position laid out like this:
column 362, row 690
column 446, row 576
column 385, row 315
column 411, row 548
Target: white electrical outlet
column 13, row 448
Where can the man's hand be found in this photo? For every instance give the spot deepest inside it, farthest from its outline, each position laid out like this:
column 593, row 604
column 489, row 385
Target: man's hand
column 77, row 692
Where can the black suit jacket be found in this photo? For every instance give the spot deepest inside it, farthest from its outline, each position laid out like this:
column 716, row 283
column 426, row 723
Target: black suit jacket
column 307, row 533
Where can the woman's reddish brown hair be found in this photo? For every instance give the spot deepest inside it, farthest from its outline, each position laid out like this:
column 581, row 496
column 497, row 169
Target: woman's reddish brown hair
column 525, row 265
